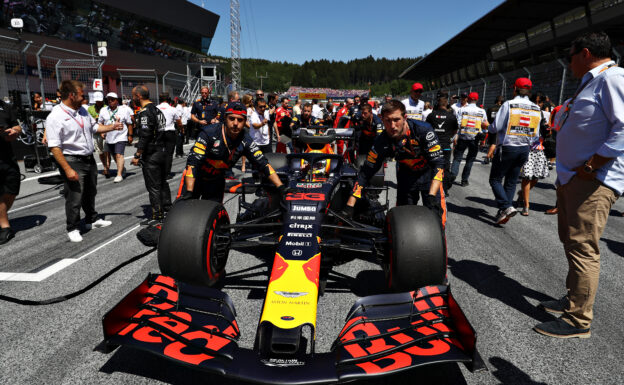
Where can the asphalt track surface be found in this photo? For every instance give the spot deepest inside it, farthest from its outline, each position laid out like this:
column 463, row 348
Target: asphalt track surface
column 498, row 275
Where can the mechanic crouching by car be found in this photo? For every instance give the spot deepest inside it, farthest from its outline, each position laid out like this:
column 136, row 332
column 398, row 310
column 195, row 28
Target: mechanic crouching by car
column 217, row 149
column 416, row 148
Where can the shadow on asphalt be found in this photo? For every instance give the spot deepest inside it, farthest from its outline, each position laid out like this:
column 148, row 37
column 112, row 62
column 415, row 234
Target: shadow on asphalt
column 472, row 212
column 27, row 222
column 489, row 280
column 616, row 247
column 508, row 373
column 539, row 207
column 545, row 186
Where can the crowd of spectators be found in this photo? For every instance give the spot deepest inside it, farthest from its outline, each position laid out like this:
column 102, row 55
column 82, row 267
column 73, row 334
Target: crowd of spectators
column 293, row 92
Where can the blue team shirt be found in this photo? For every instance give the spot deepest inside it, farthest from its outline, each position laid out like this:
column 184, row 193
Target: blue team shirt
column 594, row 125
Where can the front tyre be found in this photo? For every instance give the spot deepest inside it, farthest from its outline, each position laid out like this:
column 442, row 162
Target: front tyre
column 416, row 250
column 192, row 247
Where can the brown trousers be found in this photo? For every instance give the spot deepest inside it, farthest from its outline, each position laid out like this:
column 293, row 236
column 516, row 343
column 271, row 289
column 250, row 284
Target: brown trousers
column 583, row 211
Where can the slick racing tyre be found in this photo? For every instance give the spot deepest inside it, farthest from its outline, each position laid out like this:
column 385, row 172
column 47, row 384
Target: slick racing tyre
column 416, row 249
column 192, row 248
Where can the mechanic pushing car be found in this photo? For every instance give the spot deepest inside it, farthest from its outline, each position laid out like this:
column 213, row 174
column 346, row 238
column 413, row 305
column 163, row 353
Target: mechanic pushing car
column 217, row 149
column 416, row 148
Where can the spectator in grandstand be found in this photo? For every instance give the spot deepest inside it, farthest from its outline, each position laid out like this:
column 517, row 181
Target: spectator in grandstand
column 283, row 118
column 204, row 110
column 152, row 153
column 173, row 123
column 116, row 140
column 511, row 135
column 9, row 169
column 444, row 123
column 590, row 177
column 472, row 122
column 536, row 166
column 260, row 129
column 70, row 131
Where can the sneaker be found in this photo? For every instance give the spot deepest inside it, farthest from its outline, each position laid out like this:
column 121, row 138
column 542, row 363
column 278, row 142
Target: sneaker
column 6, row 234
column 552, row 211
column 74, row 236
column 118, row 179
column 561, row 329
column 486, row 160
column 97, row 224
column 464, row 183
column 510, row 211
column 551, row 165
column 501, row 218
column 555, row 306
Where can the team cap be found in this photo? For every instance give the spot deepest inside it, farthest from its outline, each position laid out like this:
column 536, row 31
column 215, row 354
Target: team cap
column 417, row 86
column 112, row 95
column 523, row 83
column 463, row 95
column 473, row 96
column 98, row 96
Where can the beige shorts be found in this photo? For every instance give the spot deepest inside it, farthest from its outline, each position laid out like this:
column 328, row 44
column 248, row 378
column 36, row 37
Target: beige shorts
column 98, row 143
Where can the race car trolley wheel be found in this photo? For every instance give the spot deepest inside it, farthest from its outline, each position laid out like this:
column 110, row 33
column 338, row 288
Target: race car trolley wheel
column 192, row 248
column 416, row 249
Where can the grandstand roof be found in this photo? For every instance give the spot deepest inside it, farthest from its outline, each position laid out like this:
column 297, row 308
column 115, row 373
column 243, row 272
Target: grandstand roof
column 511, row 18
column 180, row 14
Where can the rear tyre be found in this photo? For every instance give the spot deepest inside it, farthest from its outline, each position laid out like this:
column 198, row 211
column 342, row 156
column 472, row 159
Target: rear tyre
column 192, row 248
column 416, row 250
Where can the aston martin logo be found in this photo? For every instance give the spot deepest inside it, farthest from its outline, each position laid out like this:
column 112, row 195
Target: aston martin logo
column 290, row 294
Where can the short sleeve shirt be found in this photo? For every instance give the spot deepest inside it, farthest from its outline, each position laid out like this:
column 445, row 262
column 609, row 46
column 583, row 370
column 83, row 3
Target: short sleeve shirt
column 109, row 117
column 260, row 135
column 70, row 130
column 172, row 114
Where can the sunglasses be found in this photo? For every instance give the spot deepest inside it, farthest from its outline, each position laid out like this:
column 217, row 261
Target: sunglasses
column 259, row 94
column 417, row 91
column 236, row 118
column 261, row 107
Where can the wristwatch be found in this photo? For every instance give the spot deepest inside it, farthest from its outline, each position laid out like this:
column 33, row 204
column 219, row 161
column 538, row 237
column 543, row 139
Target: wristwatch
column 588, row 167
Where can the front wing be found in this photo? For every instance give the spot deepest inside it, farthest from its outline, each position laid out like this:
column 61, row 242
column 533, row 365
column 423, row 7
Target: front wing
column 383, row 334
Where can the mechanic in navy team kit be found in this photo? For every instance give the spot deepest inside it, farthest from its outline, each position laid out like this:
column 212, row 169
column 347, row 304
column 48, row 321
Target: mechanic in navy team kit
column 303, row 121
column 205, row 110
column 9, row 169
column 217, row 149
column 444, row 122
column 366, row 126
column 152, row 152
column 415, row 146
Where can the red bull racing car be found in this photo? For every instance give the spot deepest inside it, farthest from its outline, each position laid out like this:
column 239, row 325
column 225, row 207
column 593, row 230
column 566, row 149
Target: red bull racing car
column 179, row 315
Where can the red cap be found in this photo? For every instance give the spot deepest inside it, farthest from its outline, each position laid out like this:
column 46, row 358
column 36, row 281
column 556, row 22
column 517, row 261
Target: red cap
column 417, row 86
column 473, row 96
column 523, row 83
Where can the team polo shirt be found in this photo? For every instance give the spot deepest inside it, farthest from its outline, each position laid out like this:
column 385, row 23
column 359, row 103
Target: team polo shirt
column 172, row 114
column 121, row 113
column 70, row 130
column 414, row 109
column 470, row 120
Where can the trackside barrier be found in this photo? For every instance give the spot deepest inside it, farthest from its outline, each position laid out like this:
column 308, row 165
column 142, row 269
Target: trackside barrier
column 13, row 60
column 130, row 78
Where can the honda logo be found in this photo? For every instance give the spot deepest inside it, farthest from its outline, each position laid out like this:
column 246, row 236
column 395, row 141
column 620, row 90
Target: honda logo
column 297, row 253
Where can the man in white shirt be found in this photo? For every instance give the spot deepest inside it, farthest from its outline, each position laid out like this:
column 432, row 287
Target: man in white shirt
column 317, row 111
column 173, row 120
column 259, row 126
column 70, row 131
column 414, row 107
column 185, row 114
column 116, row 140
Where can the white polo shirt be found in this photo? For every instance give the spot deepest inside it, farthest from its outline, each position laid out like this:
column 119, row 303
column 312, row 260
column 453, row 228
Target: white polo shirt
column 70, row 130
column 107, row 117
column 172, row 114
column 414, row 109
column 260, row 135
column 317, row 112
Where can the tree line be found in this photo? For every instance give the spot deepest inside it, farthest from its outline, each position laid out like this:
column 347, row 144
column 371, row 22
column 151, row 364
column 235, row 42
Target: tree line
column 381, row 74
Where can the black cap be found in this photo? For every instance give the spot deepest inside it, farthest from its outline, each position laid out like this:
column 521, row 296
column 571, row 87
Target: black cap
column 463, row 95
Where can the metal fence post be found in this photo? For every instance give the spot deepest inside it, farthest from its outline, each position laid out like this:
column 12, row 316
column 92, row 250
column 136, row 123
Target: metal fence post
column 157, row 95
column 527, row 71
column 617, row 56
column 563, row 79
column 39, row 70
column 504, row 85
column 27, row 81
column 484, row 89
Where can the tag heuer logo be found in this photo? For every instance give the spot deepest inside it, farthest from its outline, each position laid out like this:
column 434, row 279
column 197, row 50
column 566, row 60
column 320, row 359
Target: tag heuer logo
column 290, row 294
column 216, row 143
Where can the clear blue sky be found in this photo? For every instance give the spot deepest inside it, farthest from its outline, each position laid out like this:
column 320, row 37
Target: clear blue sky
column 297, row 31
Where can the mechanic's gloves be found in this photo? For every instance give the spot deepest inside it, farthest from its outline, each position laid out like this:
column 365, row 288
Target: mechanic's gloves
column 186, row 195
column 433, row 204
column 347, row 212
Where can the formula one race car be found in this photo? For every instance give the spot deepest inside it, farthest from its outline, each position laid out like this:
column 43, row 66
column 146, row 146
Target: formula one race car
column 179, row 315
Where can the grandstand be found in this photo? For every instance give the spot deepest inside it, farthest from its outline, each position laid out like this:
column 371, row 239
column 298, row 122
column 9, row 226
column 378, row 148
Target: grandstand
column 518, row 38
column 160, row 42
